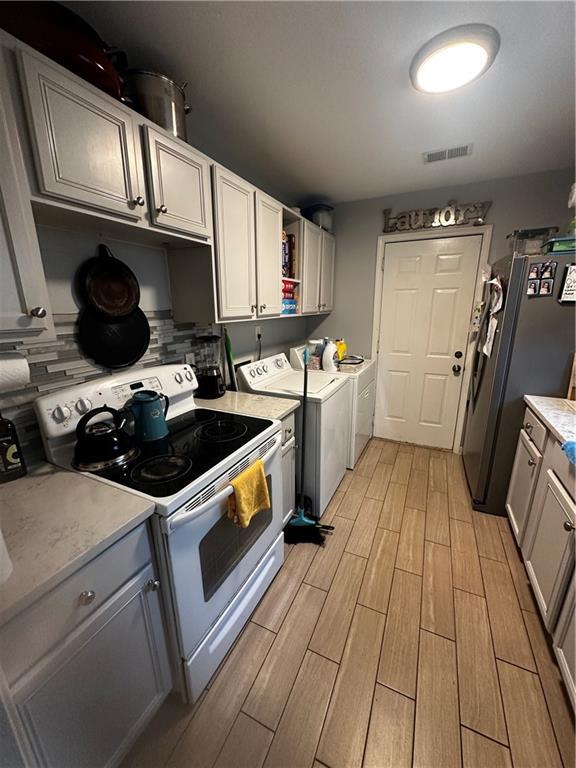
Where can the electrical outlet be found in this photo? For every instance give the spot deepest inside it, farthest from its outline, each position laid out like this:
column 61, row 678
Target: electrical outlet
column 258, row 332
column 190, row 358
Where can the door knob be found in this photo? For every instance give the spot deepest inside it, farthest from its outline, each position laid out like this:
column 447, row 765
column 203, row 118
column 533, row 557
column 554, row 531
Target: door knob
column 456, row 370
column 458, row 355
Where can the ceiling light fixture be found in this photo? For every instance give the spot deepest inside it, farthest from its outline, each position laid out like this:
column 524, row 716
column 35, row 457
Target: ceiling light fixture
column 454, row 58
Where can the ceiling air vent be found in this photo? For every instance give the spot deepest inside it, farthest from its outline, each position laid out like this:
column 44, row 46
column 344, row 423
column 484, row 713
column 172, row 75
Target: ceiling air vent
column 447, row 154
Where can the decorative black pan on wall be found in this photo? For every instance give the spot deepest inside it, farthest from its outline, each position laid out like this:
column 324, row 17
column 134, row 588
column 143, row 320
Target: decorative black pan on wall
column 112, row 329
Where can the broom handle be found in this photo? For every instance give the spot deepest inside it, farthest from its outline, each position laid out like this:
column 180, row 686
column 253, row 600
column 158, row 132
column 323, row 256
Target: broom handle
column 303, row 431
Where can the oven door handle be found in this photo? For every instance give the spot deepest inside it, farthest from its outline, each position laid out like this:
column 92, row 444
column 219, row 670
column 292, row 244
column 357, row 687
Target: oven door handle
column 178, row 520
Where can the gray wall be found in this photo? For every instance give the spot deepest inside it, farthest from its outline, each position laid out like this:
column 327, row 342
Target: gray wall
column 520, row 202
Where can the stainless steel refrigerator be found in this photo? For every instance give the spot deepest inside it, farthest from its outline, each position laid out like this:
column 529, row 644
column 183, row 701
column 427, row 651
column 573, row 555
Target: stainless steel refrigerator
column 531, row 355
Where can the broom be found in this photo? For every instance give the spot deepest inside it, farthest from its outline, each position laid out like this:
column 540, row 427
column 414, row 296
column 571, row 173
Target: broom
column 302, row 527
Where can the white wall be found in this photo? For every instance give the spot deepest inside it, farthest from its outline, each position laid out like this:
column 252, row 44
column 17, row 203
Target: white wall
column 521, row 202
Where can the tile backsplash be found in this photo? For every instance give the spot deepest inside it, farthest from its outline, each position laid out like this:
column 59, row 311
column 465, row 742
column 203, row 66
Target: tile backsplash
column 60, row 363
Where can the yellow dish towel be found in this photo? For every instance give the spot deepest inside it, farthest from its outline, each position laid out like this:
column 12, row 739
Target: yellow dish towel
column 250, row 495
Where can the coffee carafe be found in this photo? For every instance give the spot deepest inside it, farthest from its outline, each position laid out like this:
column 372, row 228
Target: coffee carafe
column 208, row 368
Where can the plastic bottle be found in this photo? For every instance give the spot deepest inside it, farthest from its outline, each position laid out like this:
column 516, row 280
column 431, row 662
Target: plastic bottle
column 328, row 357
column 11, row 461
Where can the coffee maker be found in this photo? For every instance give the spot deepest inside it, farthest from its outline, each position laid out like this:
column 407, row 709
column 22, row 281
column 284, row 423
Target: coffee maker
column 208, row 370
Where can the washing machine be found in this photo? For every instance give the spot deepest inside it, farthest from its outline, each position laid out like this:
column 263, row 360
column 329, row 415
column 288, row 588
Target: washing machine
column 327, row 420
column 362, row 394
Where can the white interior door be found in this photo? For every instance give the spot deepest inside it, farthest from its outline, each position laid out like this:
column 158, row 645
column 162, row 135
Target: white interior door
column 427, row 294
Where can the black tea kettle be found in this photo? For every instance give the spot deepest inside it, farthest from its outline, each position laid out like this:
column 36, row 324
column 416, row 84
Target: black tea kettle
column 102, row 445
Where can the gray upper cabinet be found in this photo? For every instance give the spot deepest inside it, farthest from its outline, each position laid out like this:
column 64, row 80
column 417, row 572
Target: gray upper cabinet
column 24, row 305
column 179, row 185
column 84, row 703
column 522, row 484
column 549, row 546
column 85, row 144
column 235, row 245
column 327, row 272
column 268, row 255
column 311, row 260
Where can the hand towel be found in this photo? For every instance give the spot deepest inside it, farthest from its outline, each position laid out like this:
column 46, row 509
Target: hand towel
column 250, row 495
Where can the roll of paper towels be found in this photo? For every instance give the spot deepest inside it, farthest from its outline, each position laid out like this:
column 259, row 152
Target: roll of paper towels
column 14, row 372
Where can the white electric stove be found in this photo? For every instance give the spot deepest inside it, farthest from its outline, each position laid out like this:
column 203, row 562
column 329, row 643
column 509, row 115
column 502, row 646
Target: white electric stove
column 213, row 573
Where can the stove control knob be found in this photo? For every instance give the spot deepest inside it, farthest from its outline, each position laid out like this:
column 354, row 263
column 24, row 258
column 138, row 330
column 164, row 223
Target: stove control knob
column 259, row 371
column 265, row 368
column 252, row 372
column 61, row 413
column 83, row 405
column 178, row 378
column 279, row 362
column 188, row 375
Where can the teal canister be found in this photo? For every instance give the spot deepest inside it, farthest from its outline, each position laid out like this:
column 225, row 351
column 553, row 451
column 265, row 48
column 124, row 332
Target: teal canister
column 149, row 409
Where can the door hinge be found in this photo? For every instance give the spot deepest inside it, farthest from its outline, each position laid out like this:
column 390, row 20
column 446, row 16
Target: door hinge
column 382, row 264
column 378, row 346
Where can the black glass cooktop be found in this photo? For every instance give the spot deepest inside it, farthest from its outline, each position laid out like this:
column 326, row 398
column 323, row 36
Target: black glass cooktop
column 198, row 441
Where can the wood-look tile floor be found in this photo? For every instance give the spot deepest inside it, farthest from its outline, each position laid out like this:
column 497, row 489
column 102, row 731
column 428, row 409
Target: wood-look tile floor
column 411, row 639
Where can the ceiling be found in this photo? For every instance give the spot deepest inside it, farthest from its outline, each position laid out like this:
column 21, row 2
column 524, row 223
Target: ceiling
column 312, row 100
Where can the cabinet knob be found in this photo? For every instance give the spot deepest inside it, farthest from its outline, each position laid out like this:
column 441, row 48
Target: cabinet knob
column 139, row 200
column 38, row 312
column 162, row 209
column 87, row 596
column 568, row 526
column 528, row 427
column 262, row 306
column 531, row 463
column 253, row 308
column 153, row 584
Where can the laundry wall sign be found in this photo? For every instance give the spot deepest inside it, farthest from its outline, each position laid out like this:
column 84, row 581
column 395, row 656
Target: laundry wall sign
column 451, row 215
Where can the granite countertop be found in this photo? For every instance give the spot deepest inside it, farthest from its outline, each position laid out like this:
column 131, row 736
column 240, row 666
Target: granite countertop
column 557, row 413
column 53, row 521
column 251, row 405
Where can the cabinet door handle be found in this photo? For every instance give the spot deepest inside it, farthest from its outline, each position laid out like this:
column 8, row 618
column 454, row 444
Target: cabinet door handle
column 139, row 200
column 162, row 209
column 568, row 526
column 253, row 308
column 153, row 584
column 38, row 312
column 262, row 306
column 87, row 596
column 531, row 463
column 528, row 427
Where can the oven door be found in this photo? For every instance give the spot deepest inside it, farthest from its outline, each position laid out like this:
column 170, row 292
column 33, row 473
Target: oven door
column 210, row 557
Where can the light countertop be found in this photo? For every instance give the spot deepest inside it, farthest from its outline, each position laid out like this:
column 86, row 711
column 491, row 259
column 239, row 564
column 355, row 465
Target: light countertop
column 53, row 522
column 251, row 405
column 558, row 414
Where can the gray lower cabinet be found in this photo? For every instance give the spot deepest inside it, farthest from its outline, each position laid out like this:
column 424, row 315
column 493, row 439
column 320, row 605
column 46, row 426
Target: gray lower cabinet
column 522, row 483
column 549, row 548
column 85, row 702
column 564, row 641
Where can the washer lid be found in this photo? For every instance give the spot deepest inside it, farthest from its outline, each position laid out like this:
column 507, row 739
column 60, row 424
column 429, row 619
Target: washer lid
column 294, row 382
